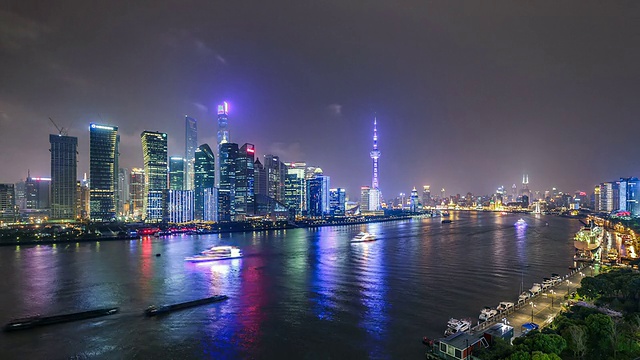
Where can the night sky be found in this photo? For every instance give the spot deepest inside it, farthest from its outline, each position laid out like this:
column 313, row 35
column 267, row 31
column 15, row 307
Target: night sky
column 469, row 95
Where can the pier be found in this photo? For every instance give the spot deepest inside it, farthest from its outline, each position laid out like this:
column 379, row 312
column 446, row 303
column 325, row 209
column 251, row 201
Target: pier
column 539, row 309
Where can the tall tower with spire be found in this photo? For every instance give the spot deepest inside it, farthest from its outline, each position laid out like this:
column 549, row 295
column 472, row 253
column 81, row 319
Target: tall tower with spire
column 374, row 194
column 223, row 133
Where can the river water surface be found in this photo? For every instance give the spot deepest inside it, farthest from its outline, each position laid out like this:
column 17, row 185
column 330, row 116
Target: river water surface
column 296, row 294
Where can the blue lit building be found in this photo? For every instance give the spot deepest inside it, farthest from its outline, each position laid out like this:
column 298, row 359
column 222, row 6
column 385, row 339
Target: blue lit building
column 318, row 195
column 245, row 181
column 180, row 206
column 177, row 173
column 227, row 188
column 337, row 202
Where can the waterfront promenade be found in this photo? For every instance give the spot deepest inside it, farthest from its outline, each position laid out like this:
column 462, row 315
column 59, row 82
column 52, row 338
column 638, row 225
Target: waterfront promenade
column 542, row 308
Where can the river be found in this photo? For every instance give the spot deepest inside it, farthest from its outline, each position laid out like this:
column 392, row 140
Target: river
column 299, row 293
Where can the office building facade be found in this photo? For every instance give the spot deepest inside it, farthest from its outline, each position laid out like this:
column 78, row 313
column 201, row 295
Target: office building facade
column 64, row 174
column 227, row 188
column 177, row 173
column 191, row 144
column 204, row 181
column 154, row 152
column 103, row 171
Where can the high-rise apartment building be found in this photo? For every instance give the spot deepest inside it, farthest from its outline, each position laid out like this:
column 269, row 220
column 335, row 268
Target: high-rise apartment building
column 191, row 144
column 103, row 171
column 154, row 152
column 204, row 183
column 177, row 173
column 227, row 188
column 136, row 193
column 64, row 175
column 245, row 181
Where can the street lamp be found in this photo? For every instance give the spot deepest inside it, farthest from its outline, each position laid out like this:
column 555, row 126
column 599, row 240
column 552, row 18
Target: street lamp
column 532, row 306
column 552, row 296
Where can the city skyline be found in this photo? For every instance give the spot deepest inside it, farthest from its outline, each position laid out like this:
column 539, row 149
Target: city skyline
column 439, row 82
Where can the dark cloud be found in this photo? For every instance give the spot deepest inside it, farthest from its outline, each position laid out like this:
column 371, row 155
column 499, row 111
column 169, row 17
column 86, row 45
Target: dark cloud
column 468, row 95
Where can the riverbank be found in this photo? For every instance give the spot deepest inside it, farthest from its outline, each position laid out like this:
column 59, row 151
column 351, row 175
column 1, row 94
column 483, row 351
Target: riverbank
column 236, row 227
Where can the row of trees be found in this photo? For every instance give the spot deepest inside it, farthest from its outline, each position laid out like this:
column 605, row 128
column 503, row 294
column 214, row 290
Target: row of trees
column 585, row 332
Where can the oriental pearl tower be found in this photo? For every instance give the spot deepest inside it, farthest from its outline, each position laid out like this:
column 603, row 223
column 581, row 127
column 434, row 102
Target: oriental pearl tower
column 374, row 194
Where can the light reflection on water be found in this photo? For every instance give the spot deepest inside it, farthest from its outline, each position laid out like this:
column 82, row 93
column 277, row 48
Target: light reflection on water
column 299, row 293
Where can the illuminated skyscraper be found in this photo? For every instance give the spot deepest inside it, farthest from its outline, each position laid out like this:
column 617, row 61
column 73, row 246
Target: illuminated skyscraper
column 337, row 202
column 8, row 210
column 63, row 176
column 276, row 172
column 223, row 133
column 245, row 182
column 365, row 194
column 136, row 192
column 295, row 189
column 191, row 144
column 426, row 195
column 177, row 173
column 318, row 195
column 374, row 194
column 227, row 188
column 204, row 182
column 154, row 151
column 103, row 171
column 414, row 200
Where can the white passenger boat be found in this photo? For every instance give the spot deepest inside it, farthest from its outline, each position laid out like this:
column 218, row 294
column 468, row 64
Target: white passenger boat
column 504, row 306
column 535, row 289
column 487, row 313
column 524, row 296
column 455, row 326
column 364, row 236
column 520, row 222
column 216, row 253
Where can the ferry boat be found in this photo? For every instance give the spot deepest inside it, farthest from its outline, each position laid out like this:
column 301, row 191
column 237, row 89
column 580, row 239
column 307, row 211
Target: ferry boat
column 520, row 222
column 588, row 238
column 487, row 313
column 524, row 296
column 216, row 253
column 364, row 236
column 455, row 326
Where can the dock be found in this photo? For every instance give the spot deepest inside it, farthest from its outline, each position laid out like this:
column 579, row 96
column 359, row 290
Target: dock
column 539, row 309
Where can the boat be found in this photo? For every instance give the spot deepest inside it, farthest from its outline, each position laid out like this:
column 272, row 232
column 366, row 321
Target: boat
column 216, row 253
column 455, row 326
column 446, row 221
column 504, row 306
column 520, row 222
column 157, row 310
column 34, row 321
column 536, row 288
column 364, row 236
column 486, row 313
column 588, row 238
column 524, row 296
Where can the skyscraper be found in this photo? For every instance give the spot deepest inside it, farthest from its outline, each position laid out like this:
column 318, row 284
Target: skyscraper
column 223, row 132
column 124, row 195
column 191, row 144
column 204, row 182
column 64, row 175
column 426, row 195
column 7, row 203
column 276, row 172
column 154, row 151
column 103, row 171
column 227, row 189
column 260, row 177
column 180, row 206
column 413, row 200
column 136, row 192
column 318, row 195
column 37, row 191
column 374, row 193
column 245, row 181
column 177, row 173
column 294, row 187
column 337, row 202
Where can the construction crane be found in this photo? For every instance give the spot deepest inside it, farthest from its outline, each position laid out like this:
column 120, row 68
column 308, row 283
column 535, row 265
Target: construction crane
column 61, row 130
